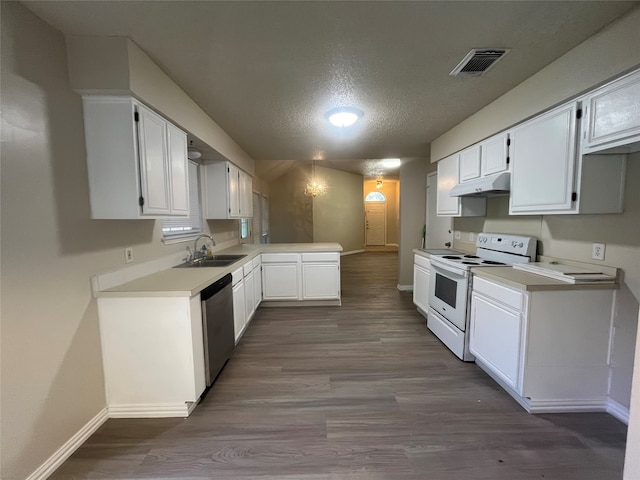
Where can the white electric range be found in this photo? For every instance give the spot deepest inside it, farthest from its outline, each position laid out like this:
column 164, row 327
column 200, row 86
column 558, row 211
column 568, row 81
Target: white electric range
column 450, row 292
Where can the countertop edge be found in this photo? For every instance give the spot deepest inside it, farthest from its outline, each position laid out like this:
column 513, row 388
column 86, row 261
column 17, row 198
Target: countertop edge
column 532, row 282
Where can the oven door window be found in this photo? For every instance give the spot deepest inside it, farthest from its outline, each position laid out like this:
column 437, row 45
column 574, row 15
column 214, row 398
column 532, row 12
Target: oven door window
column 446, row 290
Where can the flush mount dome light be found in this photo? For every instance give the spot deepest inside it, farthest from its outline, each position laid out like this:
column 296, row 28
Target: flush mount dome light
column 344, row 116
column 391, row 162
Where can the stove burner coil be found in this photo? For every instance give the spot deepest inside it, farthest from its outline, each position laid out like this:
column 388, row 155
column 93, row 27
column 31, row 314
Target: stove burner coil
column 491, row 262
column 452, row 257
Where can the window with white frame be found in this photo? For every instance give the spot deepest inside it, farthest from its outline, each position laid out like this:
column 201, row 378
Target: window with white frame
column 174, row 228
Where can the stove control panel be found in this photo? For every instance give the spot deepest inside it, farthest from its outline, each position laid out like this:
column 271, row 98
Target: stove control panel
column 519, row 245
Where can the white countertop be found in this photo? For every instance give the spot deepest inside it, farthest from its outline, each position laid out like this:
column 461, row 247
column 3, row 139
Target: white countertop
column 186, row 282
column 531, row 282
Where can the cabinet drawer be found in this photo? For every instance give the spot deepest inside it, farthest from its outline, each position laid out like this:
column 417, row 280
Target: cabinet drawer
column 321, row 257
column 256, row 262
column 280, row 257
column 247, row 268
column 237, row 275
column 508, row 296
column 422, row 261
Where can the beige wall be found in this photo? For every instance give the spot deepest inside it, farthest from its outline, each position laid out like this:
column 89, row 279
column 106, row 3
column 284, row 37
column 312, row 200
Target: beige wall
column 607, row 54
column 390, row 189
column 338, row 216
column 632, row 459
column 51, row 367
column 413, row 213
column 290, row 211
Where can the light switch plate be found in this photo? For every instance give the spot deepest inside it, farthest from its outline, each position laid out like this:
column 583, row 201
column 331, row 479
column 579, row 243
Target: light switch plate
column 472, row 236
column 128, row 255
column 457, row 235
column 597, row 251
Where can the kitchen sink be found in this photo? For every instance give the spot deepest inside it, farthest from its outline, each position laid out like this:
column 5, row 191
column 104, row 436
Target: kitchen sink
column 214, row 261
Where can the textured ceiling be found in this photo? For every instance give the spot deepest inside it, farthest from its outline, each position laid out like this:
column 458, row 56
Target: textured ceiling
column 267, row 72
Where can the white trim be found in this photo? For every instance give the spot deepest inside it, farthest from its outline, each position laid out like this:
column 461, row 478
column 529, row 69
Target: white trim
column 618, row 411
column 301, row 303
column 566, row 405
column 70, row 446
column 151, row 410
column 392, row 245
column 351, row 252
column 405, row 288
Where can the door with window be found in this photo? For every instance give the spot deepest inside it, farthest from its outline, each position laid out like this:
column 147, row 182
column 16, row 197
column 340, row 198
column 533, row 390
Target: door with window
column 375, row 223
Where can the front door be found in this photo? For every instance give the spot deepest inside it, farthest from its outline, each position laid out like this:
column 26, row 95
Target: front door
column 375, row 219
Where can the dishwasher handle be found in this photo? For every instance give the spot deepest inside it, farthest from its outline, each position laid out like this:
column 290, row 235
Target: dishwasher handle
column 215, row 287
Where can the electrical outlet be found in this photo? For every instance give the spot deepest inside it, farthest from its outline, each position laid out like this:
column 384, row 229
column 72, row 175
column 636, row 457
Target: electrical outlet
column 457, row 235
column 472, row 236
column 597, row 251
column 128, row 255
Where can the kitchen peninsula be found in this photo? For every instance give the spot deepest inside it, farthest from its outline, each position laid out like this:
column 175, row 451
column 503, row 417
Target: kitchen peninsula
column 151, row 327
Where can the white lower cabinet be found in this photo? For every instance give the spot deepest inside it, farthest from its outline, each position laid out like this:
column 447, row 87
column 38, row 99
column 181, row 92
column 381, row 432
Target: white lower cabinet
column 153, row 355
column 547, row 348
column 281, row 276
column 320, row 276
column 249, row 292
column 239, row 304
column 421, row 278
column 257, row 281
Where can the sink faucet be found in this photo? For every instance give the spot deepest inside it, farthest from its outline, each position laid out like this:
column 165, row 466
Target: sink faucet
column 196, row 252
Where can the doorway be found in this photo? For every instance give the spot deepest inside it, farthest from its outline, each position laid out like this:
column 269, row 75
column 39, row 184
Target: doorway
column 375, row 223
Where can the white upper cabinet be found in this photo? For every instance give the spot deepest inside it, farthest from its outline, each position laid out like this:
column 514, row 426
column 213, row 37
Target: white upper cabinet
column 136, row 161
column 543, row 152
column 469, row 161
column 228, row 191
column 494, row 155
column 484, row 158
column 612, row 117
column 447, row 206
column 549, row 176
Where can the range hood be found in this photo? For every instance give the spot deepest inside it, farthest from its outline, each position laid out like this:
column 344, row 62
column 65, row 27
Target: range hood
column 489, row 186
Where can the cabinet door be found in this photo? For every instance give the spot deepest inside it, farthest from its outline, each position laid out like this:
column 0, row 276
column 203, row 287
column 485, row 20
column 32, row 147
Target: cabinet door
column 613, row 114
column 544, row 160
column 320, row 281
column 154, row 172
column 447, row 179
column 257, row 286
column 250, row 305
column 495, row 338
column 494, row 155
column 239, row 309
column 233, row 178
column 470, row 163
column 280, row 281
column 421, row 278
column 246, row 191
column 178, row 166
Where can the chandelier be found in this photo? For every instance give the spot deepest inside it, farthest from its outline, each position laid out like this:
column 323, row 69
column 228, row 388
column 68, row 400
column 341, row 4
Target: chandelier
column 315, row 186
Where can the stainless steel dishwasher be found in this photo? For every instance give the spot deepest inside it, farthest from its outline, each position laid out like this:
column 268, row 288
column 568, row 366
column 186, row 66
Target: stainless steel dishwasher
column 217, row 326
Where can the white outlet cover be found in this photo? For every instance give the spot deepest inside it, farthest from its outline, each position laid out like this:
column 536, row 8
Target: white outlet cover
column 457, row 235
column 128, row 255
column 597, row 251
column 472, row 236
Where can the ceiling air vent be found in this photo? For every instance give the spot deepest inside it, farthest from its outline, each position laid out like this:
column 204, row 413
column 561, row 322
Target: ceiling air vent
column 478, row 61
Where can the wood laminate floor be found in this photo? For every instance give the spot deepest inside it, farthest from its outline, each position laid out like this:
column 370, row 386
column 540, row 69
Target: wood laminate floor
column 358, row 392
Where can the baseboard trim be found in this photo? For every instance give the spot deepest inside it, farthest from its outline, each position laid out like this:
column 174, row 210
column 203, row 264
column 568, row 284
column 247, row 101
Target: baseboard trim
column 404, row 288
column 618, row 411
column 300, row 303
column 70, row 446
column 150, row 410
column 566, row 405
column 351, row 252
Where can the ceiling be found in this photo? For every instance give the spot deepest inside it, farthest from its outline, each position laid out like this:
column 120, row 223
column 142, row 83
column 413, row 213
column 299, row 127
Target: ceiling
column 267, row 71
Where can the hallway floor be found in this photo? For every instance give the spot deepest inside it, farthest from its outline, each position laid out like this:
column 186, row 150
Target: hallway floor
column 358, row 392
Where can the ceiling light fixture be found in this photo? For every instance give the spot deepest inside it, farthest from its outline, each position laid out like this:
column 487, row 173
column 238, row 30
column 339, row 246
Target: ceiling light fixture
column 192, row 152
column 378, row 183
column 344, row 116
column 391, row 162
